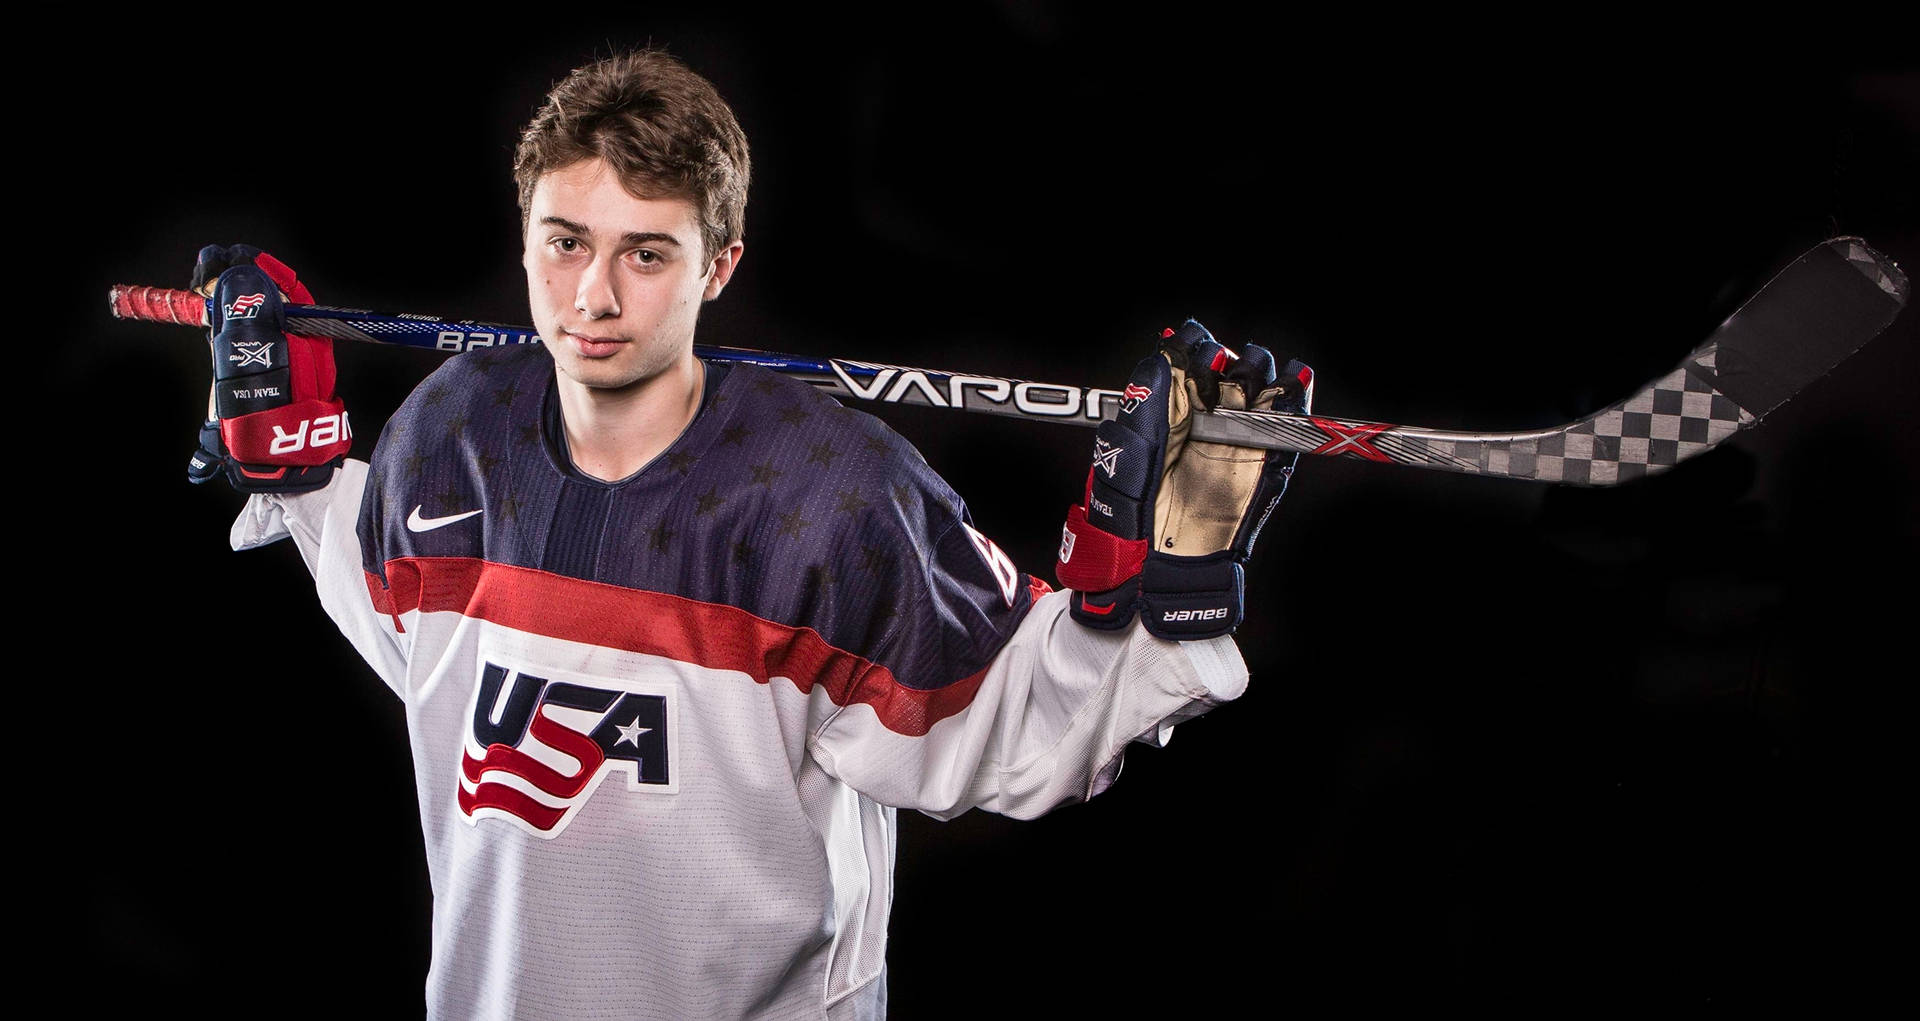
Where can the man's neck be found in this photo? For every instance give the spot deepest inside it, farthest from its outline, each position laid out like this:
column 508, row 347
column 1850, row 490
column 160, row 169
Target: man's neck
column 613, row 433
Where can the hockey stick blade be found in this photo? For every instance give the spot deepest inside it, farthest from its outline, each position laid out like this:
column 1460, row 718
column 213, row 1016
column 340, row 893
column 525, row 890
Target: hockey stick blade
column 1807, row 319
column 1813, row 314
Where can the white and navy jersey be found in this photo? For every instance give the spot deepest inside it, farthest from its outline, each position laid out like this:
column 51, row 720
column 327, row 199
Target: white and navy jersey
column 660, row 726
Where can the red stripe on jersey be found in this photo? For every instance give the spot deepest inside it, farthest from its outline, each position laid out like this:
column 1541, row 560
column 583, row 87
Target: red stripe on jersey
column 513, row 802
column 660, row 624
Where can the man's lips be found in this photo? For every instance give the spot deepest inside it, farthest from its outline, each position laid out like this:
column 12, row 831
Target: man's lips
column 594, row 347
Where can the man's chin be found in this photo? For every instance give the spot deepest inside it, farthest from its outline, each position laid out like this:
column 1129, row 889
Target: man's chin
column 603, row 374
column 598, row 378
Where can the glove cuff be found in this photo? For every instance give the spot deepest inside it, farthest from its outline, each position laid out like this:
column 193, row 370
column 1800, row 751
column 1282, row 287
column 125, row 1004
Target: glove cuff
column 1106, row 611
column 1093, row 559
column 1187, row 598
column 279, row 478
column 301, row 434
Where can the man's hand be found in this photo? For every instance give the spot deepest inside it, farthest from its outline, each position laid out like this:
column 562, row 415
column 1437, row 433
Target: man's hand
column 273, row 422
column 1168, row 523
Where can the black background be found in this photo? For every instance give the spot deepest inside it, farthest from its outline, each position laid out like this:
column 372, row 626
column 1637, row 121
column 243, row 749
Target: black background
column 1504, row 742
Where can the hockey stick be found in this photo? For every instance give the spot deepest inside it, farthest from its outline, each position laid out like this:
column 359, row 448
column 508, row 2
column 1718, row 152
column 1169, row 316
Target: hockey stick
column 1807, row 319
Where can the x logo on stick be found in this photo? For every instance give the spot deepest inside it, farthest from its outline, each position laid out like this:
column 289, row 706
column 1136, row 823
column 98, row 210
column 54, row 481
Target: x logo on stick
column 1345, row 440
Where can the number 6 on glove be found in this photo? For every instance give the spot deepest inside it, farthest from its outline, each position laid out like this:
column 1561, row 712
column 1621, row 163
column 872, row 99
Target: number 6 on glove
column 1167, row 523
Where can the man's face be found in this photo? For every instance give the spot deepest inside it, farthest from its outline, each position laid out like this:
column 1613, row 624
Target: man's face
column 615, row 281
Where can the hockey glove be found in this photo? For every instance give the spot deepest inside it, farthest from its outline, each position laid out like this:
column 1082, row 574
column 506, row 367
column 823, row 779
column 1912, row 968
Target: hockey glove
column 273, row 422
column 1167, row 523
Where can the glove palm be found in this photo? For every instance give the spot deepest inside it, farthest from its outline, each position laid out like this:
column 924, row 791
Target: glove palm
column 1168, row 522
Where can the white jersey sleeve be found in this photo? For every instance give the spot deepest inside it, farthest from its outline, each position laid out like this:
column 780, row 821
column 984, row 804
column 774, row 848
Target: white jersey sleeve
column 1052, row 715
column 322, row 525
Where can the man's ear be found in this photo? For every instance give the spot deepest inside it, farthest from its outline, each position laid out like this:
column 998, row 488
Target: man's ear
column 720, row 270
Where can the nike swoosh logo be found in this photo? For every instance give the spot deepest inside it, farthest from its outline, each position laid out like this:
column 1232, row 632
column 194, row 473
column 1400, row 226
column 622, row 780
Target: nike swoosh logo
column 416, row 523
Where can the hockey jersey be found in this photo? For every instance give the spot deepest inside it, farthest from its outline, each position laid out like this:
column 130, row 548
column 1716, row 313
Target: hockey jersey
column 660, row 726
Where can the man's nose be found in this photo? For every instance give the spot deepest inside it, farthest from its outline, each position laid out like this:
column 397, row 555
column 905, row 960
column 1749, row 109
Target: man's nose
column 595, row 295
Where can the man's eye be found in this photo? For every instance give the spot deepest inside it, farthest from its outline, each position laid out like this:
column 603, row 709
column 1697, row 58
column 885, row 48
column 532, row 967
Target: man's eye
column 567, row 244
column 647, row 256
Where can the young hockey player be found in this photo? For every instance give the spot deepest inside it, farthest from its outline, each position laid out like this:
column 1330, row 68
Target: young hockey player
column 676, row 638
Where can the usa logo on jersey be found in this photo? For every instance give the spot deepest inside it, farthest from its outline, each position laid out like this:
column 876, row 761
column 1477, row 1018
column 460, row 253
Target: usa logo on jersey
column 538, row 747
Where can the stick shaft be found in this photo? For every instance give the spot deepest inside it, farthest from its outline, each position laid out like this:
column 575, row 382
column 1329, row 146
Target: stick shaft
column 1814, row 313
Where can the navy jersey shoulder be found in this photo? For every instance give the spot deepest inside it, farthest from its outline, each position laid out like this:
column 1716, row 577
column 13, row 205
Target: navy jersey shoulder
column 775, row 499
column 462, row 436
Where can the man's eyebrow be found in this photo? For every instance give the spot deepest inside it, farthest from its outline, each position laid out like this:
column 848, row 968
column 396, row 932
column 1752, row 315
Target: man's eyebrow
column 632, row 237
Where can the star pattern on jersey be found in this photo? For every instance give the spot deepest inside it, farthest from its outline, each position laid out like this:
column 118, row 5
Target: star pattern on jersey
column 765, row 384
column 434, row 395
column 716, row 400
column 791, row 523
column 456, row 425
column 864, row 589
column 875, row 559
column 630, row 734
column 416, row 464
column 505, row 395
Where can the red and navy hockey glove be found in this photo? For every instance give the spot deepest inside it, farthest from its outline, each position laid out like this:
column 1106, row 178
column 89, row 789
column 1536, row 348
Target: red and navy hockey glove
column 273, row 422
column 1168, row 523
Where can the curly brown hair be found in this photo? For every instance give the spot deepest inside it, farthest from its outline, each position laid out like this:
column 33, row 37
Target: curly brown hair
column 662, row 128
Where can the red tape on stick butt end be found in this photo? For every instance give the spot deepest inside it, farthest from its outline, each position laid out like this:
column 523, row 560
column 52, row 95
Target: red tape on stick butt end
column 157, row 305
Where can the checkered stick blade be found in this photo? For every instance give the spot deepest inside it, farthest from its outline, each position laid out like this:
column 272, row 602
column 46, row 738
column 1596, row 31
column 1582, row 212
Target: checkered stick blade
column 1805, row 321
